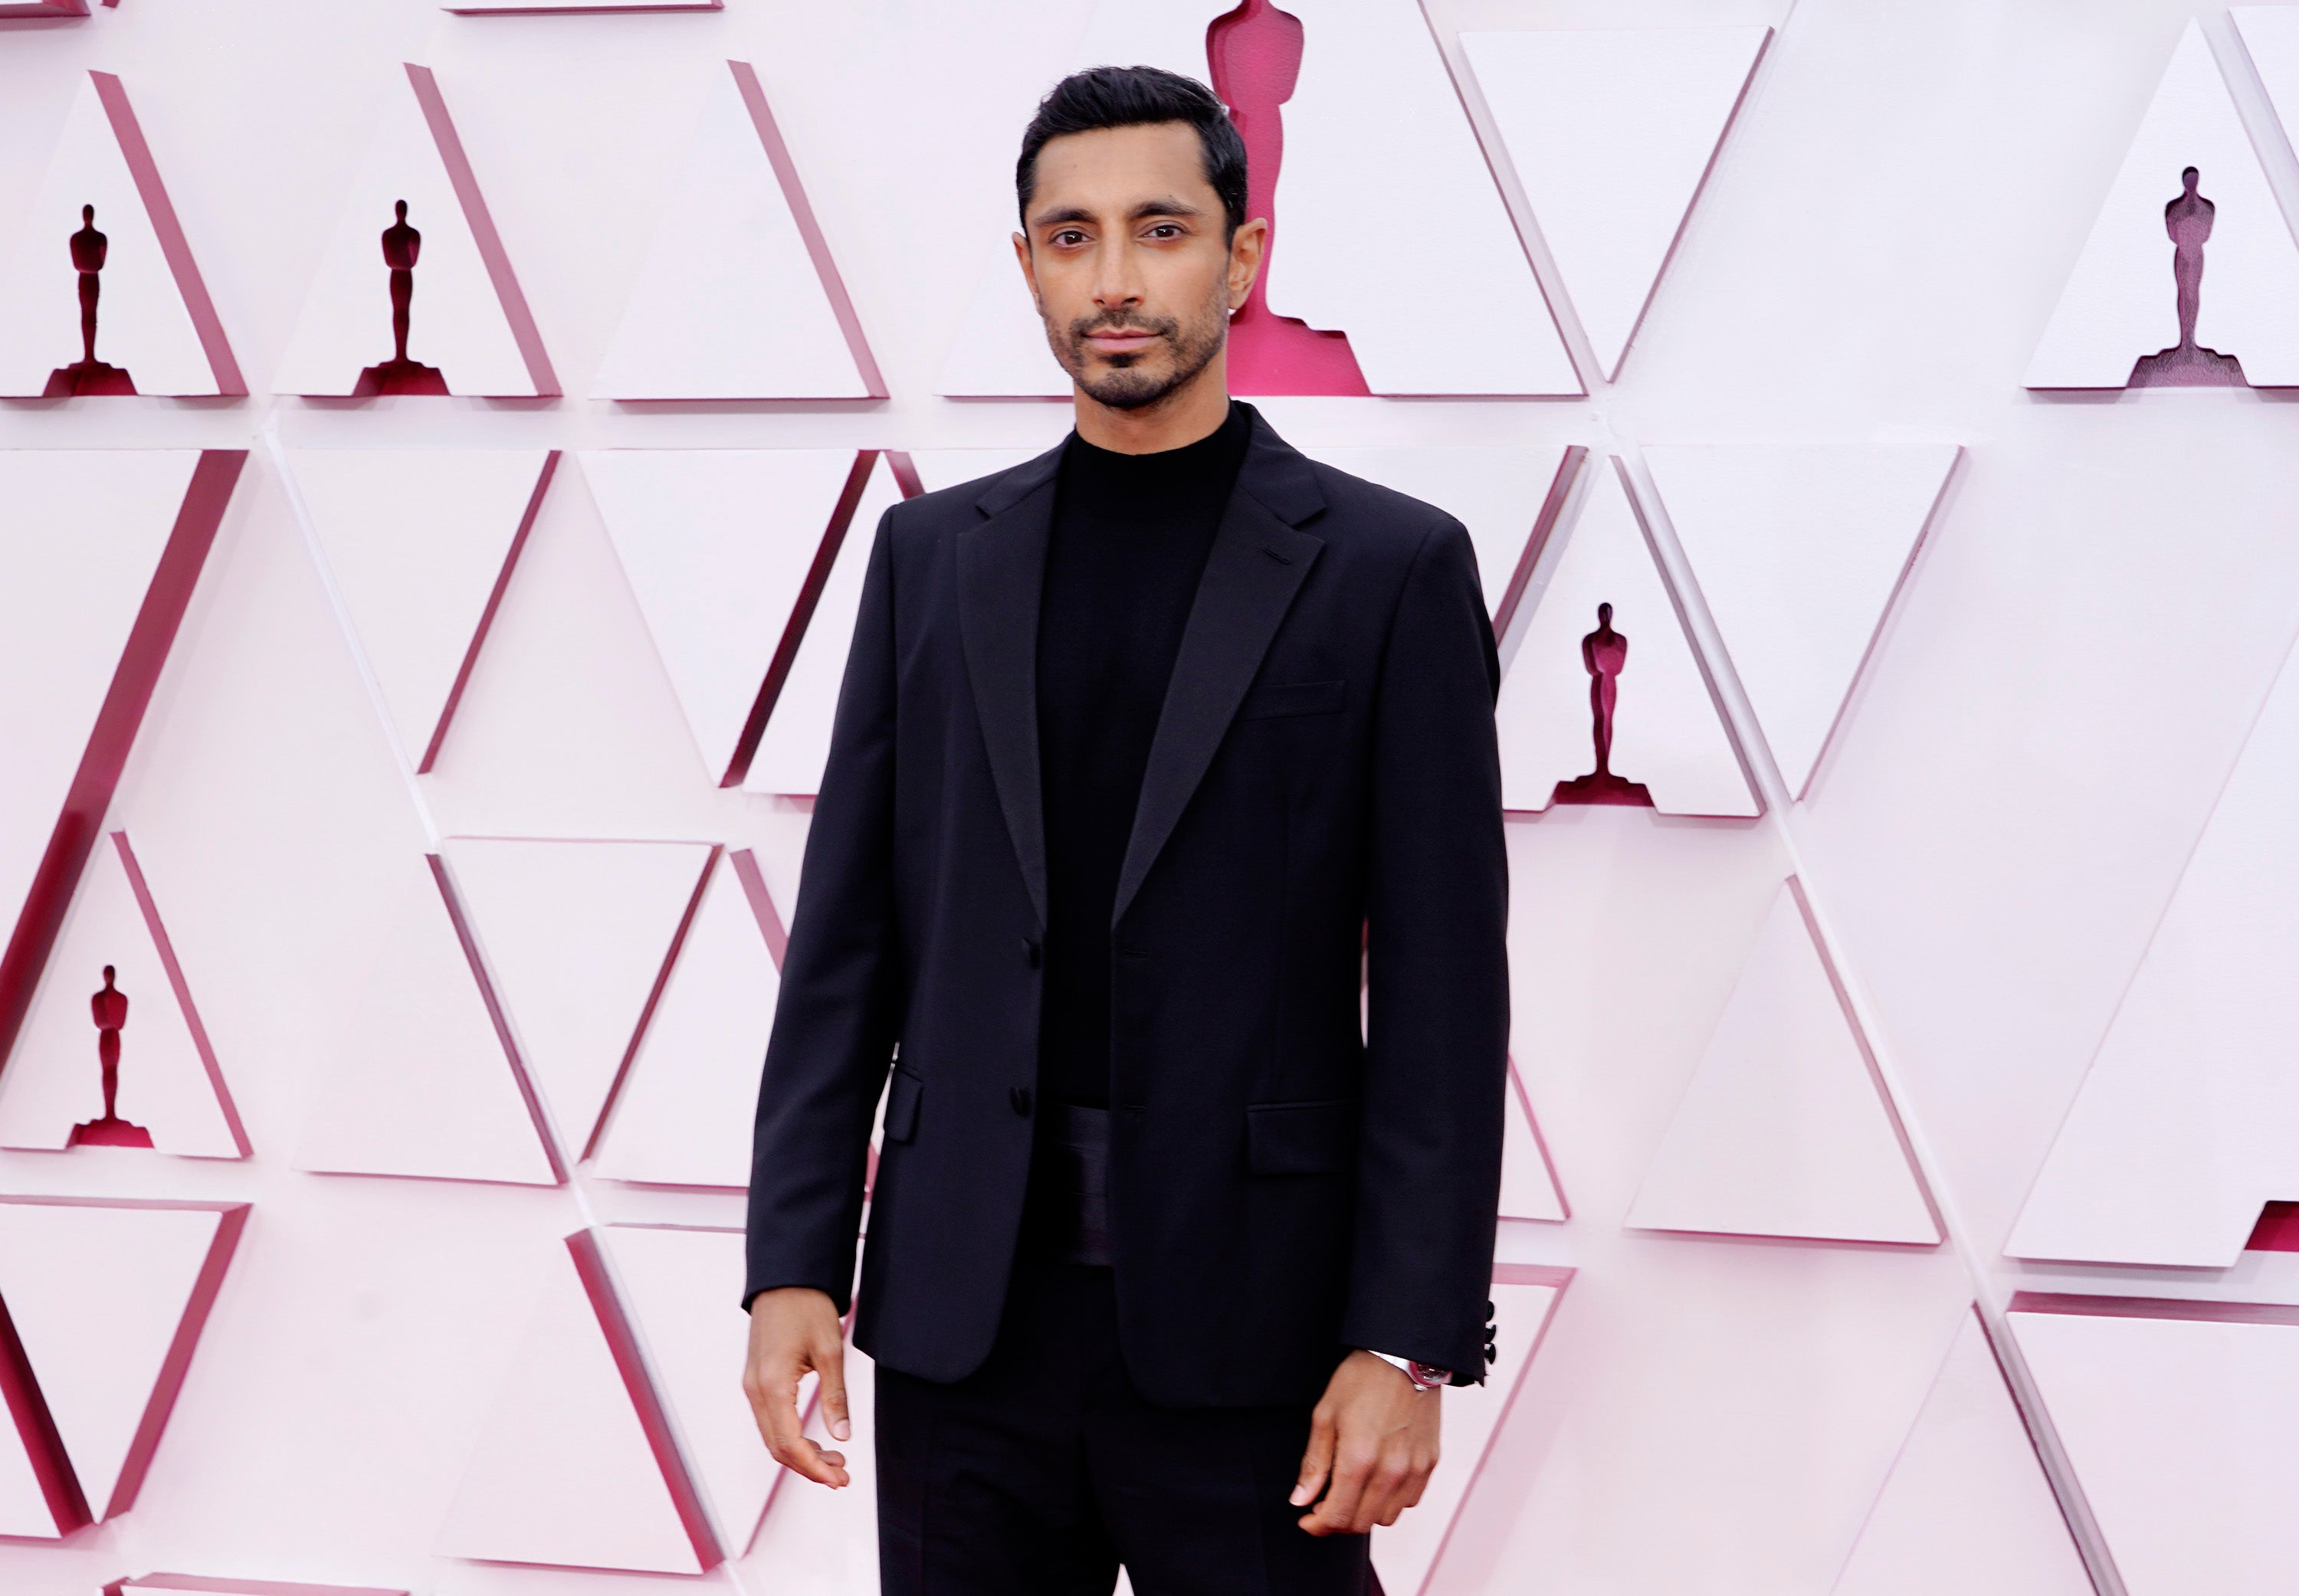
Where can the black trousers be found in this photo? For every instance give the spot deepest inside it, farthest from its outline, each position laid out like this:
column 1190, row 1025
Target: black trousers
column 1042, row 1471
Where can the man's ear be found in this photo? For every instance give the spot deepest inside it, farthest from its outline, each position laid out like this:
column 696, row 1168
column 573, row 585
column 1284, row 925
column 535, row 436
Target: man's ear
column 1029, row 267
column 1247, row 247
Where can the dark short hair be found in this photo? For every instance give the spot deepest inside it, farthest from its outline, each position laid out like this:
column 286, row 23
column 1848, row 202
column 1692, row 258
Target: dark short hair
column 1132, row 97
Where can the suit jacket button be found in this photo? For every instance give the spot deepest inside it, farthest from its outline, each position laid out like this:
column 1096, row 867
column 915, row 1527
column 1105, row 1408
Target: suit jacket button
column 1020, row 1098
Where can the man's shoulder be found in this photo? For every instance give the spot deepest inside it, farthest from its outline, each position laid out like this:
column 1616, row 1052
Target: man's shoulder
column 1374, row 519
column 962, row 504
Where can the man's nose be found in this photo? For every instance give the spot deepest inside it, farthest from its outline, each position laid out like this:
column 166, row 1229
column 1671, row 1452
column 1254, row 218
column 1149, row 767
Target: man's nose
column 1117, row 285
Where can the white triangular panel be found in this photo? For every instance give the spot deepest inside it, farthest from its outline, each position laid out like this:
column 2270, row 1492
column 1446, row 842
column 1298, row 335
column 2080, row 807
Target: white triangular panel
column 576, row 935
column 1782, row 1131
column 1799, row 550
column 2184, row 1433
column 1375, row 109
column 563, row 1472
column 457, row 319
column 731, row 302
column 2121, row 302
column 81, row 537
column 816, row 1542
column 143, row 324
column 98, row 1293
column 682, row 1288
column 685, row 1113
column 168, row 1082
column 1497, row 494
column 1667, row 732
column 717, row 544
column 1612, row 132
column 414, row 1080
column 416, row 541
column 1966, row 1507
column 1528, row 1184
column 1406, row 1554
column 940, row 468
column 2188, row 1124
column 796, row 742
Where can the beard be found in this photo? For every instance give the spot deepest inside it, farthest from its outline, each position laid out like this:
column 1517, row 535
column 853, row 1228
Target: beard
column 1130, row 382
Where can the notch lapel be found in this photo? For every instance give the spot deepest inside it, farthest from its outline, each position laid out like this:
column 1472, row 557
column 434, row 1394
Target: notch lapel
column 1256, row 565
column 1001, row 568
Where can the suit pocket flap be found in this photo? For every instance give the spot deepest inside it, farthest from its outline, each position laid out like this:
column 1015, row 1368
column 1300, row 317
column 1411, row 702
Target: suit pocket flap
column 1300, row 1138
column 1292, row 698
column 902, row 1105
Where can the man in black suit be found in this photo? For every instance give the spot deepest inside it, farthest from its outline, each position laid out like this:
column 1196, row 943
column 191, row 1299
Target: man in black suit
column 1146, row 750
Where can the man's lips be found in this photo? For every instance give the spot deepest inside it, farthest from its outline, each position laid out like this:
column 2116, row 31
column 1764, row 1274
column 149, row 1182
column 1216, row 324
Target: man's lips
column 1120, row 341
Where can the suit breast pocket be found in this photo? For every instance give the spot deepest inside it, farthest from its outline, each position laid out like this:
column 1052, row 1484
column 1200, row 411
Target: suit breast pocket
column 1278, row 700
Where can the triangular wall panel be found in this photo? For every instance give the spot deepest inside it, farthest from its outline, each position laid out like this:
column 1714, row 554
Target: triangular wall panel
column 155, row 321
column 578, row 936
column 724, row 550
column 2121, row 300
column 739, row 297
column 1668, row 733
column 684, row 1113
column 1373, row 108
column 575, row 1466
column 1798, row 550
column 101, row 551
column 1966, row 1508
column 419, row 544
column 468, row 319
column 418, row 1078
column 171, row 1086
column 1507, row 497
column 108, row 1300
column 1406, row 1554
column 1529, row 1187
column 2188, row 1124
column 1783, row 1130
column 796, row 743
column 681, row 1287
column 1612, row 133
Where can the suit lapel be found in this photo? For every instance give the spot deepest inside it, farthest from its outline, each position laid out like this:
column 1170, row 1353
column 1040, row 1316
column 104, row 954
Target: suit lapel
column 1001, row 567
column 1258, row 563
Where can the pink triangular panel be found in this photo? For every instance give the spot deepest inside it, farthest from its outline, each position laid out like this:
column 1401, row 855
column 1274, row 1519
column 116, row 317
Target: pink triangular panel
column 157, row 326
column 1966, row 1507
column 683, row 1116
column 108, row 1300
column 40, row 1498
column 1783, row 1130
column 682, row 1287
column 420, row 545
column 1406, row 1554
column 1529, row 1189
column 418, row 1078
column 570, row 1465
column 739, row 297
column 211, row 1585
column 103, row 548
column 578, row 939
column 170, row 1086
column 469, row 322
column 796, row 744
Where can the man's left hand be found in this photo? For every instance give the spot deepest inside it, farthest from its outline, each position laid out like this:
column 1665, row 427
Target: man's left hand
column 1373, row 1441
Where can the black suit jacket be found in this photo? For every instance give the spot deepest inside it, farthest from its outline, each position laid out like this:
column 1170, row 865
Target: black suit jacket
column 1323, row 781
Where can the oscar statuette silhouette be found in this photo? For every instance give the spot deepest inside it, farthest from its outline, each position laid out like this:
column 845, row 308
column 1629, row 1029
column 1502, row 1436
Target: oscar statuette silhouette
column 1604, row 654
column 2187, row 364
column 403, row 246
column 109, row 1005
column 87, row 375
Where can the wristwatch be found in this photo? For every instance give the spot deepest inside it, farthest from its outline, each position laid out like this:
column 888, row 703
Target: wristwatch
column 1425, row 1377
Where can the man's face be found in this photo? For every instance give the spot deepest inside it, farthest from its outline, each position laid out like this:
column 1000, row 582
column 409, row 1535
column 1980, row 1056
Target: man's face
column 1127, row 256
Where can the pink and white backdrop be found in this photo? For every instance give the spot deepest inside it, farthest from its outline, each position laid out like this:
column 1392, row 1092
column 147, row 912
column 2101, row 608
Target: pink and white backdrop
column 406, row 791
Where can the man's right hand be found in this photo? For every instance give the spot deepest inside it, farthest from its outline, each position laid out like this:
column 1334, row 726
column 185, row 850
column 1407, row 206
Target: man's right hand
column 795, row 1328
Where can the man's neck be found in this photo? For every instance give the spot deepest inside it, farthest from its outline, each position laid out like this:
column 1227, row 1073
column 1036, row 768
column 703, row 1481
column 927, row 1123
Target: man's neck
column 1192, row 411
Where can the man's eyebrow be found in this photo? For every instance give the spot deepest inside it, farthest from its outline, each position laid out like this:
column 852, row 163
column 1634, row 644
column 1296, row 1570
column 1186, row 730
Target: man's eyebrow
column 1164, row 206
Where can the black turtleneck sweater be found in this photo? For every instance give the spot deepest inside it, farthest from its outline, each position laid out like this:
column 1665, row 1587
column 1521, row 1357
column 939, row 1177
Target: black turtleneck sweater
column 1131, row 533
